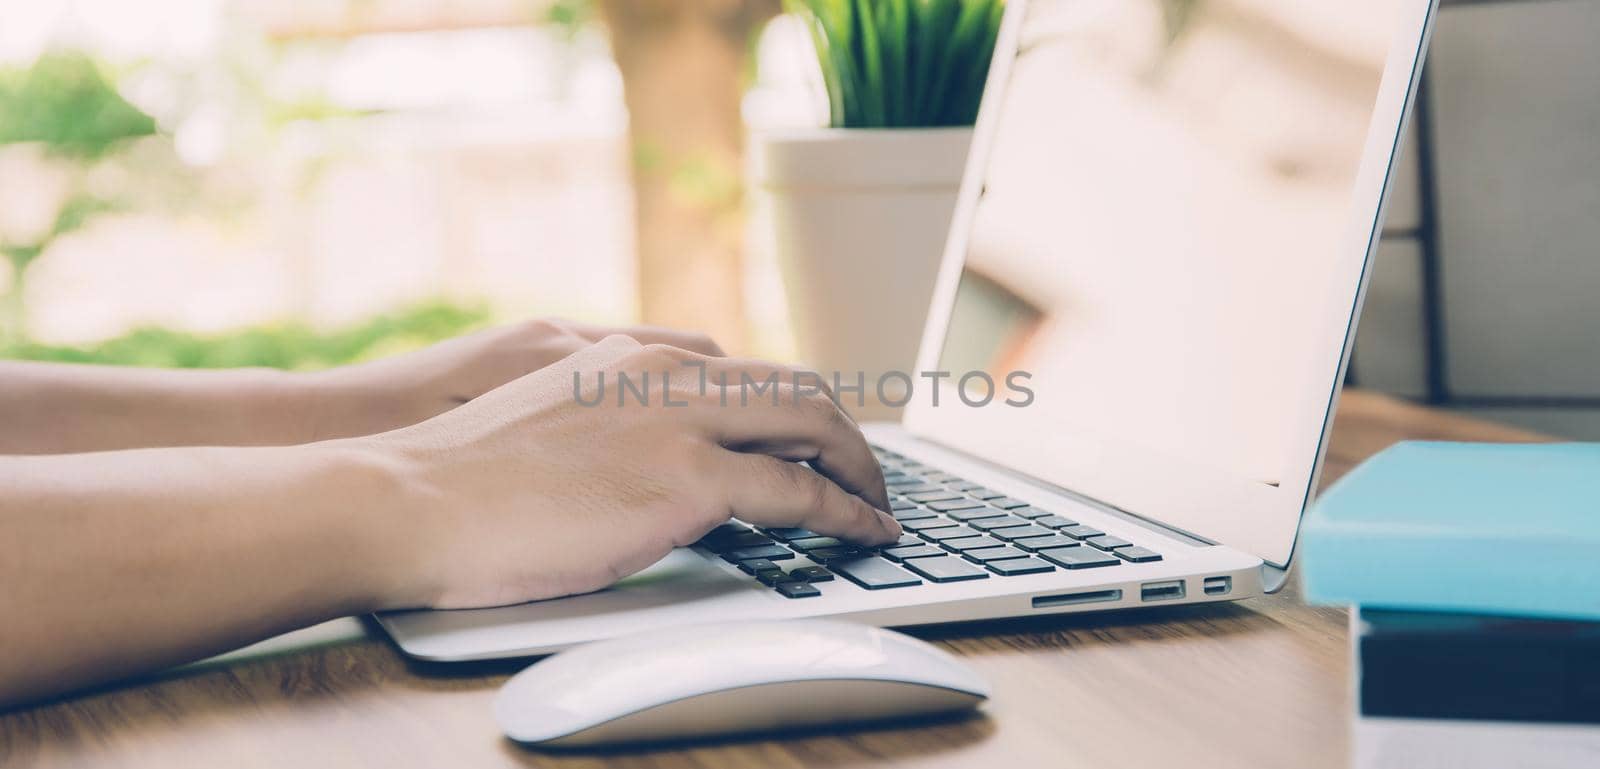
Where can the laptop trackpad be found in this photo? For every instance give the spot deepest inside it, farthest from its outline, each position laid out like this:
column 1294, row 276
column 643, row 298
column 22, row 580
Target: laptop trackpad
column 682, row 587
column 684, row 576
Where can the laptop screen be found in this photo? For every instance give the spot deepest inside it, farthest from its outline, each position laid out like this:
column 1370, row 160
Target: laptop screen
column 1176, row 205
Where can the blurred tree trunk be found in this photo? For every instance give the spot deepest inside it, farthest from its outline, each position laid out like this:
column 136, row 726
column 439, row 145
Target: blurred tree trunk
column 684, row 64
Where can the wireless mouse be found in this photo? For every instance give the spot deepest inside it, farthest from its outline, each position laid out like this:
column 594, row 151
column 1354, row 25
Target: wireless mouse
column 728, row 678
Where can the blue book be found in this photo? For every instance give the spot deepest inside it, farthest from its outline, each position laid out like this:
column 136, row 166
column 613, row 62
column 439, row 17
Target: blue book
column 1472, row 527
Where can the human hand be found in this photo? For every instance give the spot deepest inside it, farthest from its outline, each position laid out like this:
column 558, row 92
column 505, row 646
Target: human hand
column 395, row 392
column 527, row 493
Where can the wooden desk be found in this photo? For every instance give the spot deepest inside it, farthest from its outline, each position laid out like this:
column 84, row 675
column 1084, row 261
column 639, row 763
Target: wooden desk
column 1257, row 683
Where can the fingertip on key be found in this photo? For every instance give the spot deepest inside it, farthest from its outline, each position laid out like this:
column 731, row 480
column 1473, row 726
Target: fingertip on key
column 891, row 527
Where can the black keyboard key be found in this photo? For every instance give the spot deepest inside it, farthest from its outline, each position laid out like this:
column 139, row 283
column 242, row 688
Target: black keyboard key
column 811, row 574
column 827, row 554
column 725, row 529
column 1044, row 543
column 1008, row 503
column 1137, row 554
column 963, row 485
column 915, row 551
column 914, row 514
column 986, row 554
column 907, row 539
column 940, row 477
column 737, row 541
column 902, row 504
column 814, row 543
column 1107, row 542
column 933, row 496
column 1020, row 532
column 907, row 489
column 923, row 524
column 772, row 577
column 873, row 573
column 954, row 504
column 963, row 544
column 983, row 493
column 1055, row 521
column 946, row 569
column 758, row 565
column 1031, row 512
column 988, row 524
column 1012, row 567
column 792, row 589
column 787, row 535
column 1081, row 531
column 769, row 552
column 975, row 513
column 940, row 535
column 905, row 482
column 1079, row 557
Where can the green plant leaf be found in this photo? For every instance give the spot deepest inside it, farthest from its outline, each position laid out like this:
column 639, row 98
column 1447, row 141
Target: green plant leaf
column 964, row 108
column 889, row 63
column 869, row 52
column 971, row 25
column 893, row 27
column 932, row 21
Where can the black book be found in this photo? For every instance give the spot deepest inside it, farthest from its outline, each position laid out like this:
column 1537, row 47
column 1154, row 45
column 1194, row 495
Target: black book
column 1464, row 666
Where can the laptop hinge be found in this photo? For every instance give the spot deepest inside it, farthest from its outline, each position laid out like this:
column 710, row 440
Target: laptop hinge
column 1273, row 578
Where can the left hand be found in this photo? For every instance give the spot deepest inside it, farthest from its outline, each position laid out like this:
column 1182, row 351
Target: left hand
column 388, row 394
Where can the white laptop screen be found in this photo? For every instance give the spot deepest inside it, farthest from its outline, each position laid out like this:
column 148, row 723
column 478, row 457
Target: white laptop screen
column 1176, row 204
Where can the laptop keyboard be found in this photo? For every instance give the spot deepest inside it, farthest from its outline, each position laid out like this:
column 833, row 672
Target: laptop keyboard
column 955, row 531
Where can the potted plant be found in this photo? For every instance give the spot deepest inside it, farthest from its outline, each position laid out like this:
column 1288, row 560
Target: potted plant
column 859, row 209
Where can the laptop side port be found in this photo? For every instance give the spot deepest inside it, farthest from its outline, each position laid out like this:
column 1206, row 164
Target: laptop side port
column 1218, row 585
column 1161, row 591
column 1067, row 599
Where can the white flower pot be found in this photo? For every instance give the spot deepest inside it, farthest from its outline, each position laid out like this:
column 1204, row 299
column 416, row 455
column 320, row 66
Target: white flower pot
column 858, row 219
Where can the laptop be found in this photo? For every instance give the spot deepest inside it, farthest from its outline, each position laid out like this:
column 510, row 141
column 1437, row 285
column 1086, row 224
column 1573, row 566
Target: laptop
column 1157, row 257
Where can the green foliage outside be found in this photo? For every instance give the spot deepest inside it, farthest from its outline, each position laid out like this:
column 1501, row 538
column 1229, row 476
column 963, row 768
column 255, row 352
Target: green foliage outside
column 569, row 17
column 64, row 102
column 902, row 63
column 293, row 346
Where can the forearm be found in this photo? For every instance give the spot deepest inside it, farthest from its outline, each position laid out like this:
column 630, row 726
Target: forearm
column 55, row 408
column 122, row 562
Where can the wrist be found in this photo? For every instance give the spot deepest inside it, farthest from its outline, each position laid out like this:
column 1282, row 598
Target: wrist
column 348, row 402
column 394, row 527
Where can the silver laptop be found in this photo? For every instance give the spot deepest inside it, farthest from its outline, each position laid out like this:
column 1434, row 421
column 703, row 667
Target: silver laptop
column 1163, row 237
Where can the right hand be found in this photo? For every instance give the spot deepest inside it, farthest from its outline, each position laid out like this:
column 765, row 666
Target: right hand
column 528, row 494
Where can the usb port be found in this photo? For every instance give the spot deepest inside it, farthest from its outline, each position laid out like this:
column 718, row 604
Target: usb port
column 1161, row 591
column 1218, row 585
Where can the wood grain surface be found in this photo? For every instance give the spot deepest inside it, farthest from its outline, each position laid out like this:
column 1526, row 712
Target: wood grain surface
column 1257, row 683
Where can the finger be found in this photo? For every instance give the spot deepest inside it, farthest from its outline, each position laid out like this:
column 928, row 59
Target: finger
column 768, row 491
column 685, row 340
column 746, row 373
column 806, row 426
column 797, row 423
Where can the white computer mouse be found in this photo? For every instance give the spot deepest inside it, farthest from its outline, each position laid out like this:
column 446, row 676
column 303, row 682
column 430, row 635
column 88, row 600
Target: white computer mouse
column 727, row 678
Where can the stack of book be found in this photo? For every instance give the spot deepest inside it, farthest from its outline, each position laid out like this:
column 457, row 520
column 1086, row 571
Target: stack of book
column 1474, row 570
